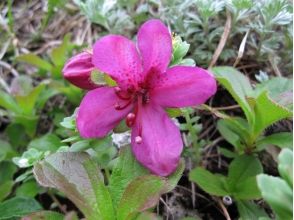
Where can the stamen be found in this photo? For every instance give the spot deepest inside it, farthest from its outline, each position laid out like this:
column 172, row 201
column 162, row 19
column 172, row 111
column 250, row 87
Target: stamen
column 121, row 94
column 117, row 106
column 130, row 119
column 138, row 139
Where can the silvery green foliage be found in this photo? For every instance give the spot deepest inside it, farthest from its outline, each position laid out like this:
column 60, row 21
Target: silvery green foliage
column 106, row 13
column 201, row 24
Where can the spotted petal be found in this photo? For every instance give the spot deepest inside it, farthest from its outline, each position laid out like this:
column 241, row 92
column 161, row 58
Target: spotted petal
column 155, row 45
column 183, row 86
column 118, row 57
column 97, row 114
column 161, row 144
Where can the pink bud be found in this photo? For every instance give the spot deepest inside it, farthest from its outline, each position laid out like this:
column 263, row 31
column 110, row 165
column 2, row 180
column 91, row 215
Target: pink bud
column 78, row 71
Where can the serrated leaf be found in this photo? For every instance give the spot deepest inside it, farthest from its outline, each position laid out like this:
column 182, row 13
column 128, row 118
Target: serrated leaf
column 238, row 86
column 142, row 193
column 282, row 140
column 278, row 194
column 18, row 207
column 267, row 112
column 79, row 179
column 34, row 60
column 126, row 170
column 277, row 88
column 210, row 183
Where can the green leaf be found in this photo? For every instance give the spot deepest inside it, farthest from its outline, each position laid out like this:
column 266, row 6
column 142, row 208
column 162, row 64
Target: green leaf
column 278, row 194
column 126, row 170
column 103, row 198
column 282, row 140
column 267, row 112
column 7, row 170
column 247, row 189
column 8, row 102
column 28, row 102
column 278, row 88
column 227, row 153
column 141, row 194
column 249, row 210
column 210, row 183
column 5, row 189
column 27, row 122
column 79, row 179
column 174, row 112
column 34, row 60
column 286, row 166
column 240, row 169
column 28, row 158
column 173, row 179
column 59, row 54
column 48, row 142
column 28, row 189
column 238, row 86
column 80, row 146
column 229, row 134
column 6, row 151
column 18, row 207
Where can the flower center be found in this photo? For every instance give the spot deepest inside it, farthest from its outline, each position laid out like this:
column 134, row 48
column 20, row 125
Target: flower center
column 137, row 97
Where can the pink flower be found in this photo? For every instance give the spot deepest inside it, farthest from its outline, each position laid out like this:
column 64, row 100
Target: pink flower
column 146, row 86
column 78, row 70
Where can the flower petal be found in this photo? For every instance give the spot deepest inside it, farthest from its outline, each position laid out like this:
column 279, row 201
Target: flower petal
column 183, row 86
column 161, row 144
column 97, row 114
column 155, row 45
column 118, row 57
column 78, row 71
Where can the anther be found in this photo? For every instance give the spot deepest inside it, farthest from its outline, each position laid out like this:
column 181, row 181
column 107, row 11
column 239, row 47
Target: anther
column 117, row 106
column 138, row 139
column 130, row 119
column 117, row 89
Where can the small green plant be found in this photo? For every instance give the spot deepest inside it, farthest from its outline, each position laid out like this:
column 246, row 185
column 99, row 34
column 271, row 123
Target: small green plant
column 262, row 107
column 240, row 184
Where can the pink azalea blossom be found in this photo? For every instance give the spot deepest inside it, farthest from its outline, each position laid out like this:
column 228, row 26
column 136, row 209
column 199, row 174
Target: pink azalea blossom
column 146, row 86
column 78, row 70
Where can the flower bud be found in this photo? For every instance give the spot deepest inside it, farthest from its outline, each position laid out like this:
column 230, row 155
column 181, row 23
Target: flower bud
column 78, row 71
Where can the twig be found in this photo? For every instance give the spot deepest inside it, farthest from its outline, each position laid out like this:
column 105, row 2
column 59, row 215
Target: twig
column 241, row 49
column 222, row 41
column 274, row 65
column 226, row 107
column 9, row 67
column 213, row 143
column 224, row 209
column 60, row 206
